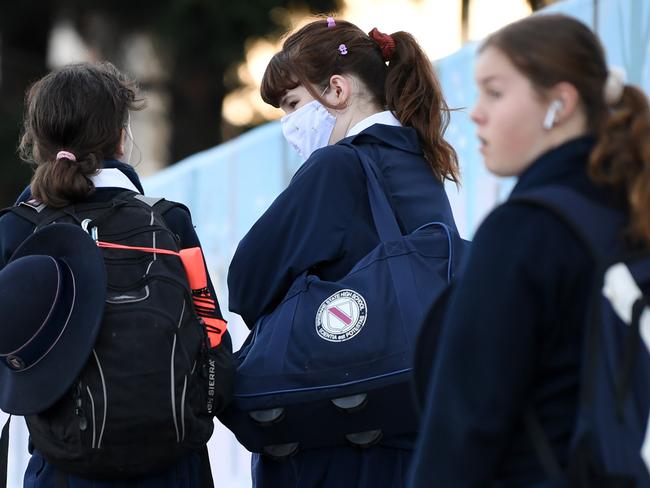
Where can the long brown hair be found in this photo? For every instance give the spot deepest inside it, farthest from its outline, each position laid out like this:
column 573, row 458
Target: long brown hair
column 548, row 49
column 82, row 109
column 406, row 84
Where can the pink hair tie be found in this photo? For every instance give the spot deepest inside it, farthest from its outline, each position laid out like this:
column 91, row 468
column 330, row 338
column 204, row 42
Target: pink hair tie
column 343, row 49
column 67, row 155
column 331, row 22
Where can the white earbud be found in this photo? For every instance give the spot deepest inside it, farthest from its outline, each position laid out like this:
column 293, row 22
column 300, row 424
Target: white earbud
column 551, row 114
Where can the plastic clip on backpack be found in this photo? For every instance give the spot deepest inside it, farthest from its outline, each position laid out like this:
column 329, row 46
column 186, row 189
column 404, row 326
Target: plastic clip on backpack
column 332, row 364
column 157, row 373
column 611, row 442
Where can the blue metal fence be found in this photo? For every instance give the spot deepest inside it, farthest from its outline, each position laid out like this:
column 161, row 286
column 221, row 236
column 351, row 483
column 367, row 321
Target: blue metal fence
column 229, row 186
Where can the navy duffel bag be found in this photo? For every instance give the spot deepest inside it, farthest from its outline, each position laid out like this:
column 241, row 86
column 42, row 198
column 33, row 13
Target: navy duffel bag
column 332, row 364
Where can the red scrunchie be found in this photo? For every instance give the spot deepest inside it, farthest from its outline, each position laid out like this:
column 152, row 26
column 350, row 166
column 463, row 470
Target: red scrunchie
column 385, row 42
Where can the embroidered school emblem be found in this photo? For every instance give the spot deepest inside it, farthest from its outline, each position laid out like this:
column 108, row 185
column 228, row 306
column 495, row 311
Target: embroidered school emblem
column 341, row 316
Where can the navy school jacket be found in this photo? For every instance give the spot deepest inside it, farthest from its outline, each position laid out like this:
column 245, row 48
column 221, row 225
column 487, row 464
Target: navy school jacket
column 322, row 224
column 187, row 472
column 511, row 340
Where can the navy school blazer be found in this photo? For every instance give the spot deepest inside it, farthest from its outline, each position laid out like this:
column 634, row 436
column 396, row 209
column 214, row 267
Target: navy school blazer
column 321, row 223
column 511, row 339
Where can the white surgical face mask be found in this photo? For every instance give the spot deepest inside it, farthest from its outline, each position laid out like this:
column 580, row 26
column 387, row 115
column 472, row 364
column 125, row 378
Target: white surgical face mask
column 308, row 128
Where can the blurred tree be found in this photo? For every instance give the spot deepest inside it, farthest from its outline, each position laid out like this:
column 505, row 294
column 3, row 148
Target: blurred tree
column 198, row 41
column 24, row 33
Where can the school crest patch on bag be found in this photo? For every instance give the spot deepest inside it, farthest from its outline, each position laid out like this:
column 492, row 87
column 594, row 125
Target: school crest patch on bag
column 341, row 316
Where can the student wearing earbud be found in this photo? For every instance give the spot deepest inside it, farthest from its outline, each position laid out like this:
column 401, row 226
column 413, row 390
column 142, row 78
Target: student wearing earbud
column 550, row 113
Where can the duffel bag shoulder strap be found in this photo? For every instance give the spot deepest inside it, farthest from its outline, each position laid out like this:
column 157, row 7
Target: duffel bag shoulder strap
column 382, row 213
column 388, row 230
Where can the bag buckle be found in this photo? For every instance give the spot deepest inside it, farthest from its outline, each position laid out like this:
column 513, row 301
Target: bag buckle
column 94, row 233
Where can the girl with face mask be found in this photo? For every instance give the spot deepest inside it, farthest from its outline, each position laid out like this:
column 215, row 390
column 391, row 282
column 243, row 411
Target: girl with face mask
column 337, row 83
column 551, row 113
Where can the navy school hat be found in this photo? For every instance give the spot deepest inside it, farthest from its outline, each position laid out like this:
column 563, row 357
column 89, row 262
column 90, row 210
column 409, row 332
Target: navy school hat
column 52, row 294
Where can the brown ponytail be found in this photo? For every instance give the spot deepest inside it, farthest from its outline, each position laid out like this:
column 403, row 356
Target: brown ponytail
column 407, row 86
column 621, row 157
column 414, row 93
column 63, row 181
column 82, row 109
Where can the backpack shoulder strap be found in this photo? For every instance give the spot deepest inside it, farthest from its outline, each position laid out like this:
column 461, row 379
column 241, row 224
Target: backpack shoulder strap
column 40, row 214
column 597, row 226
column 151, row 201
column 162, row 206
column 35, row 212
column 599, row 229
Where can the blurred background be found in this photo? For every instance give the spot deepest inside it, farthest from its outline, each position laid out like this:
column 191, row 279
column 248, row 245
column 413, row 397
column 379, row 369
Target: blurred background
column 199, row 62
column 206, row 139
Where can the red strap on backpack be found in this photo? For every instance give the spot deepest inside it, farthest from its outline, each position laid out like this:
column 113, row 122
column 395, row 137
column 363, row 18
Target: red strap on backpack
column 192, row 259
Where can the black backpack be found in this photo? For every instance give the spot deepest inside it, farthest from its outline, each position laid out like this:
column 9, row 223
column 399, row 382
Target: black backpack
column 148, row 393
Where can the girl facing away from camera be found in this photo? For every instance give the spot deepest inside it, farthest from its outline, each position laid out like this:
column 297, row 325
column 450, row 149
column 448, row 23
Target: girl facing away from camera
column 336, row 83
column 77, row 136
column 550, row 112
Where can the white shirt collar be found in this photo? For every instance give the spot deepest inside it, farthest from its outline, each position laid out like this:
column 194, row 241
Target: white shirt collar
column 386, row 117
column 112, row 177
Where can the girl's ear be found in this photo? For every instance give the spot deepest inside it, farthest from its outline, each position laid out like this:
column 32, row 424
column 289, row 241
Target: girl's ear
column 339, row 91
column 121, row 147
column 569, row 99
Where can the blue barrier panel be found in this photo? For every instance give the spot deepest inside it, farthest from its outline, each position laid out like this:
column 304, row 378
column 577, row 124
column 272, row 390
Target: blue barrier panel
column 229, row 186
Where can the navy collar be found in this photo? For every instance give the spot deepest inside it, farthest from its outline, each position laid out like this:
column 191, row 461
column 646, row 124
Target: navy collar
column 404, row 138
column 556, row 164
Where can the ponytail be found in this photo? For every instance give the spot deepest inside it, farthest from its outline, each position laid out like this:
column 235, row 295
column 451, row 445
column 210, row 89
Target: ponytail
column 621, row 157
column 407, row 85
column 64, row 180
column 413, row 92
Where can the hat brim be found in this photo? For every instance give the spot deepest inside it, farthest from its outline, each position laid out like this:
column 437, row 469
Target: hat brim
column 40, row 386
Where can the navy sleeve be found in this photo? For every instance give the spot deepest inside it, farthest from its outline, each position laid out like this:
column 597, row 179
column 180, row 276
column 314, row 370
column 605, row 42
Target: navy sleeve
column 503, row 306
column 305, row 226
column 13, row 231
column 179, row 221
column 25, row 195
